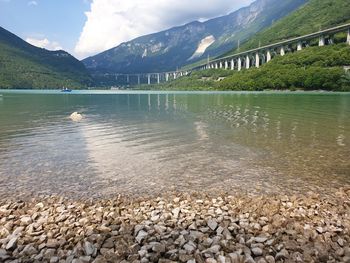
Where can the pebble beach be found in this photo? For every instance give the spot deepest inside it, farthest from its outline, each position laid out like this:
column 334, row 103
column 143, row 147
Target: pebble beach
column 180, row 227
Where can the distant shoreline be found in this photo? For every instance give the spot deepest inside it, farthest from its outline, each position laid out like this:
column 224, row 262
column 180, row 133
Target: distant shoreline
column 136, row 91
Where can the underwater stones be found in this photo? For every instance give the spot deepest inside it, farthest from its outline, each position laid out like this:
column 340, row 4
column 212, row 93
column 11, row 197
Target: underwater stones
column 212, row 224
column 222, row 229
column 12, row 244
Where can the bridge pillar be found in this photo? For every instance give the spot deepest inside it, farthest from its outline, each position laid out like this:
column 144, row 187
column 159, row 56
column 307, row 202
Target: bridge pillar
column 174, row 75
column 158, row 78
column 257, row 60
column 166, row 77
column 282, row 51
column 226, row 64
column 138, row 79
column 247, row 62
column 299, row 46
column 268, row 56
column 239, row 64
column 127, row 79
column 348, row 37
column 149, row 79
column 216, row 65
column 232, row 64
column 321, row 41
column 221, row 64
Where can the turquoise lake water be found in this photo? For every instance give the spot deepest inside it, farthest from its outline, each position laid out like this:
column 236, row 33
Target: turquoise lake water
column 153, row 142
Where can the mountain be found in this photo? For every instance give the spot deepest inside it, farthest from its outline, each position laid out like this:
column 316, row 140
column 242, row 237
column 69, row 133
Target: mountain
column 178, row 46
column 25, row 66
column 315, row 15
column 312, row 68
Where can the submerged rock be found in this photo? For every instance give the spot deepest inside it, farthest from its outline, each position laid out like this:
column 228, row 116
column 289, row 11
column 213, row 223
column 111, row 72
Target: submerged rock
column 177, row 229
column 75, row 116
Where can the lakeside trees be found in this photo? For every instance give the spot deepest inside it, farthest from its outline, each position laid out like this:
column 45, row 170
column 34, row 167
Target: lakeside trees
column 310, row 69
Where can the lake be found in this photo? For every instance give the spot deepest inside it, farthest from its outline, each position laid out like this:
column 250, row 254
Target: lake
column 147, row 143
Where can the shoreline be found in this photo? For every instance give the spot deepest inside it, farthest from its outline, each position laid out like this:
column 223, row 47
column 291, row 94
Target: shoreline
column 178, row 227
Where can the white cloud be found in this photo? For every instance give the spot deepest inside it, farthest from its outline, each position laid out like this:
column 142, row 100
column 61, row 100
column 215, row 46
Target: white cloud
column 44, row 43
column 111, row 22
column 32, row 3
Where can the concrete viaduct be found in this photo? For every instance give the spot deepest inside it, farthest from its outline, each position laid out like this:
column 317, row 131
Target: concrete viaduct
column 146, row 78
column 247, row 59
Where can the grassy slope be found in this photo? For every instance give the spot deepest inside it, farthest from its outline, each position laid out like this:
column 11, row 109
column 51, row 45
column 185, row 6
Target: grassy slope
column 25, row 66
column 312, row 68
column 309, row 69
column 313, row 16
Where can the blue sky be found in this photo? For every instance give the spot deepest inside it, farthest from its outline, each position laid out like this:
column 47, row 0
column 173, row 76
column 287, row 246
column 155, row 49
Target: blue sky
column 57, row 20
column 87, row 27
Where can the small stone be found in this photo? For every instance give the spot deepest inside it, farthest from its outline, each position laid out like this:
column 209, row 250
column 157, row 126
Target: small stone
column 249, row 259
column 39, row 205
column 49, row 253
column 26, row 220
column 260, row 239
column 283, row 254
column 235, row 257
column 52, row 243
column 29, row 250
column 138, row 228
column 340, row 242
column 85, row 259
column 190, row 247
column 221, row 259
column 339, row 252
column 219, row 230
column 155, row 218
column 176, row 212
column 12, row 244
column 212, row 224
column 109, row 243
column 270, row 259
column 214, row 249
column 88, row 248
column 3, row 255
column 141, row 236
column 54, row 260
column 158, row 247
column 319, row 230
column 257, row 251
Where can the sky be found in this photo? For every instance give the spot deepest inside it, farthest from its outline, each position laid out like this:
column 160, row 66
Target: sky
column 87, row 27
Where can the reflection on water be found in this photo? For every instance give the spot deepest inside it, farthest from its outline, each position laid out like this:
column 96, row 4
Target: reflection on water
column 151, row 143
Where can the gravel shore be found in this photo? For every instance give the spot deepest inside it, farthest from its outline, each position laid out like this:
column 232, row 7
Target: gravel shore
column 178, row 228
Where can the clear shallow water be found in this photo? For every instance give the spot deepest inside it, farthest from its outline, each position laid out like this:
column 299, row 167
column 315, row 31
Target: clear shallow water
column 150, row 142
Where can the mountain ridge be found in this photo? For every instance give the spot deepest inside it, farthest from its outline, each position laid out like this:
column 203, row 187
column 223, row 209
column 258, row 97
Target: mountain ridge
column 23, row 65
column 171, row 48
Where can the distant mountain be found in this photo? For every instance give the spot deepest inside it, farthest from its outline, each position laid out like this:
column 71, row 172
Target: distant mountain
column 25, row 66
column 313, row 16
column 178, row 46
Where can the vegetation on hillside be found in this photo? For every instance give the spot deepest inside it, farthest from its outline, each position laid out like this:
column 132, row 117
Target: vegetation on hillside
column 314, row 16
column 310, row 69
column 25, row 66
